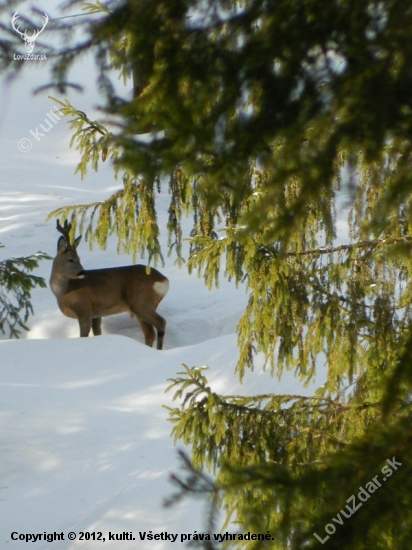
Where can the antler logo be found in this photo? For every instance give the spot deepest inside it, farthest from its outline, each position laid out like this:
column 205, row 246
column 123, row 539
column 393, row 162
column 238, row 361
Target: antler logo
column 29, row 40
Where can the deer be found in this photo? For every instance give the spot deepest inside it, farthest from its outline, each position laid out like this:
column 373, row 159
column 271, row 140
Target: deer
column 89, row 295
column 29, row 41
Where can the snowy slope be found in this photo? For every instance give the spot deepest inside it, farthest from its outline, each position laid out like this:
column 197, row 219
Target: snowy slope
column 85, row 443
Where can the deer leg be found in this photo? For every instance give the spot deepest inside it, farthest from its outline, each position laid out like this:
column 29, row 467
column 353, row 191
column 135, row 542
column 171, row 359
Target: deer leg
column 159, row 322
column 97, row 326
column 161, row 326
column 148, row 331
column 85, row 324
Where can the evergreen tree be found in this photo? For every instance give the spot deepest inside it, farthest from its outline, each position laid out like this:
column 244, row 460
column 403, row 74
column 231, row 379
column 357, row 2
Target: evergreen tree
column 259, row 114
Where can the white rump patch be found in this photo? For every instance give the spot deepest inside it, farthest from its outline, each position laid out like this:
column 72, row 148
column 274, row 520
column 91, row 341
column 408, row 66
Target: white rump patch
column 161, row 288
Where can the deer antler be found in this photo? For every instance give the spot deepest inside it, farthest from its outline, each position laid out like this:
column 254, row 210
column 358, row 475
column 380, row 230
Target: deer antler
column 64, row 230
column 14, row 19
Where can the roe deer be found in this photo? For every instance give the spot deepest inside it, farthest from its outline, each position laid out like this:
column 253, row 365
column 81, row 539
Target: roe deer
column 89, row 295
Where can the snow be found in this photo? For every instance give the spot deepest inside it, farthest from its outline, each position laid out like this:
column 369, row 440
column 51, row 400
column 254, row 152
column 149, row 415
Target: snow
column 85, row 441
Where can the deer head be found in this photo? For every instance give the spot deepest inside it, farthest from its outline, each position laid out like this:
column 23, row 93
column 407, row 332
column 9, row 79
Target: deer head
column 29, row 40
column 67, row 262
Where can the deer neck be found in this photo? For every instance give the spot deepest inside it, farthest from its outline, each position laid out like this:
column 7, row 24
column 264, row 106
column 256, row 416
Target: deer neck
column 59, row 284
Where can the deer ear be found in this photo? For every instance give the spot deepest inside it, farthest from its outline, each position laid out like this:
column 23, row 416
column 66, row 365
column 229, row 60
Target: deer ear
column 61, row 245
column 77, row 241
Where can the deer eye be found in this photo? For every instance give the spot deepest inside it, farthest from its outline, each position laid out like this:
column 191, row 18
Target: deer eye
column 71, row 261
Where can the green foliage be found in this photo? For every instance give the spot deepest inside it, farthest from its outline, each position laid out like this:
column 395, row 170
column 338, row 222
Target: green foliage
column 261, row 119
column 234, row 82
column 289, row 464
column 130, row 212
column 16, row 284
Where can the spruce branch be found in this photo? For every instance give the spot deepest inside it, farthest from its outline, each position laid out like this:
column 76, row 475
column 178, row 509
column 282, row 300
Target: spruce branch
column 16, row 284
column 370, row 244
